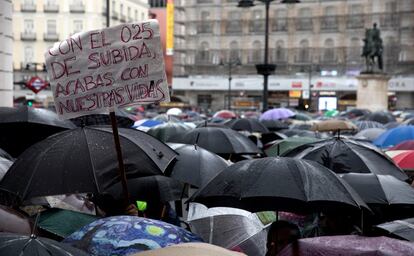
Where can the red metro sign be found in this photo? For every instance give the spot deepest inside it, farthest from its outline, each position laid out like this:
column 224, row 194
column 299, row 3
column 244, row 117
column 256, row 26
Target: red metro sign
column 36, row 84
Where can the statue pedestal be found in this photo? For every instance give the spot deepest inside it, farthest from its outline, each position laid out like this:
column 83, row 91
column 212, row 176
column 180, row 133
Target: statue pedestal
column 372, row 92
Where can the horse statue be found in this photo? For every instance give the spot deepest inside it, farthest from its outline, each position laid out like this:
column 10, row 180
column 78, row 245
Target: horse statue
column 373, row 48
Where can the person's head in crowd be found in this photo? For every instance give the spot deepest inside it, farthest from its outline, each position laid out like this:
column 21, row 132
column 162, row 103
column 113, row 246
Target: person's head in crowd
column 281, row 233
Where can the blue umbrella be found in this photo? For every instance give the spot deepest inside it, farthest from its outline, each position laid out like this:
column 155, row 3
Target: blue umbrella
column 395, row 136
column 146, row 124
column 124, row 235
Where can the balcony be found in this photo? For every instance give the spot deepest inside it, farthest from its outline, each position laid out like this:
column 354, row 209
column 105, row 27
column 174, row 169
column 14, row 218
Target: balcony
column 28, row 36
column 389, row 21
column 257, row 26
column 279, row 25
column 77, row 8
column 205, row 28
column 304, row 24
column 234, row 27
column 329, row 24
column 122, row 18
column 51, row 37
column 28, row 7
column 49, row 8
column 355, row 22
column 114, row 15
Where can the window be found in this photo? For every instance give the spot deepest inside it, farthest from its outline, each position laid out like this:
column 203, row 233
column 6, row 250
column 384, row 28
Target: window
column 329, row 51
column 29, row 2
column 204, row 54
column 329, row 21
column 234, row 51
column 77, row 26
column 257, row 22
column 129, row 13
column 257, row 52
column 142, row 16
column 280, row 21
column 354, row 52
column 136, row 15
column 51, row 2
column 28, row 54
column 121, row 9
column 28, row 26
column 304, row 55
column 355, row 16
column 280, row 51
column 51, row 27
column 233, row 23
column 304, row 22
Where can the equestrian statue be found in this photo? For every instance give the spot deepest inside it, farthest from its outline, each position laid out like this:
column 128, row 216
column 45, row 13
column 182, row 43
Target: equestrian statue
column 373, row 49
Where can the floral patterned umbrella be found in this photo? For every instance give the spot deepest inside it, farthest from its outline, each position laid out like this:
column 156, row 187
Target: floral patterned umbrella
column 123, row 235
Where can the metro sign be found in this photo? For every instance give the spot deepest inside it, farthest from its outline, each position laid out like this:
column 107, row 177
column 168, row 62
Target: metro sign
column 36, row 84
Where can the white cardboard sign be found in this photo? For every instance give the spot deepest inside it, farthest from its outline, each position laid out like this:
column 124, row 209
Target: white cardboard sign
column 97, row 71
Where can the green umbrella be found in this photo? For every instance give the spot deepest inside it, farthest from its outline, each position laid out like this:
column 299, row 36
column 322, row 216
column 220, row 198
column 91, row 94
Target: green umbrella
column 288, row 144
column 331, row 113
column 64, row 222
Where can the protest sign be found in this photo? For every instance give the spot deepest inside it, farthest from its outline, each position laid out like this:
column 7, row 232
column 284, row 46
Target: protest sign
column 97, row 71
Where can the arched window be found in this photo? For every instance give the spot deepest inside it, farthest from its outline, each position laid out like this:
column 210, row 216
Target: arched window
column 204, row 54
column 257, row 52
column 234, row 51
column 304, row 55
column 280, row 51
column 329, row 51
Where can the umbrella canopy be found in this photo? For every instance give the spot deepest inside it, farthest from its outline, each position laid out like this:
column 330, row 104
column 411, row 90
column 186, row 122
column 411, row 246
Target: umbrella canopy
column 346, row 155
column 145, row 124
column 334, row 125
column 350, row 246
column 154, row 188
column 164, row 132
column 63, row 222
column 405, row 145
column 370, row 133
column 401, row 229
column 190, row 249
column 250, row 125
column 392, row 125
column 174, row 111
column 285, row 145
column 362, row 125
column 4, row 154
column 395, row 136
column 356, row 112
column 405, row 160
column 274, row 125
column 331, row 113
column 122, row 120
column 302, row 116
column 225, row 114
column 277, row 114
column 207, row 124
column 12, row 221
column 380, row 117
column 380, row 189
column 303, row 133
column 4, row 166
column 251, row 114
column 166, row 118
column 283, row 184
column 56, row 165
column 71, row 202
column 13, row 244
column 22, row 127
column 123, row 235
column 393, row 153
column 409, row 121
column 195, row 165
column 226, row 227
column 218, row 140
column 301, row 126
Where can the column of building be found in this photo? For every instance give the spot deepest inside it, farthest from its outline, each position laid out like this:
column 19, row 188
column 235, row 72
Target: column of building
column 6, row 50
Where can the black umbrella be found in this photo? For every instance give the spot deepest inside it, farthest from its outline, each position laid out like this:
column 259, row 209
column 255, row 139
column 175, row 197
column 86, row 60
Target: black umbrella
column 343, row 155
column 274, row 125
column 356, row 112
column 250, row 125
column 195, row 165
column 5, row 155
column 303, row 133
column 401, row 229
column 284, row 184
column 101, row 119
column 208, row 124
column 301, row 126
column 380, row 117
column 391, row 125
column 24, row 126
column 165, row 131
column 14, row 244
column 218, row 140
column 84, row 160
column 380, row 189
column 362, row 125
column 409, row 121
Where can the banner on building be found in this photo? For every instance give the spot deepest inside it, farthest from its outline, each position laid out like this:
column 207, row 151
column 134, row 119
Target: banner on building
column 97, row 71
column 170, row 28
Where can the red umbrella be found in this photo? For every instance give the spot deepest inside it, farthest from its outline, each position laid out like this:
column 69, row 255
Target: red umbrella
column 405, row 145
column 405, row 160
column 225, row 114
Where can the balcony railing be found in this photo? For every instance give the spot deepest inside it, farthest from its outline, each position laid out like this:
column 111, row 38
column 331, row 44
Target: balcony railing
column 390, row 21
column 329, row 23
column 256, row 26
column 303, row 24
column 51, row 8
column 77, row 8
column 279, row 25
column 205, row 28
column 234, row 27
column 355, row 22
column 51, row 37
column 28, row 36
column 28, row 7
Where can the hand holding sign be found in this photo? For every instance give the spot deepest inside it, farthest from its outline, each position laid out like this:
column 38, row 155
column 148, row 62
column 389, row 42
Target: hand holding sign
column 98, row 71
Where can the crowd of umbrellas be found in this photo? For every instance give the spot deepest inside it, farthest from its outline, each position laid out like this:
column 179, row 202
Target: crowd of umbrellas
column 206, row 185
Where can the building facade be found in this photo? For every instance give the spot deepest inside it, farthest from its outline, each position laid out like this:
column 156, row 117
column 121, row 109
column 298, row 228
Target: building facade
column 6, row 54
column 316, row 45
column 38, row 24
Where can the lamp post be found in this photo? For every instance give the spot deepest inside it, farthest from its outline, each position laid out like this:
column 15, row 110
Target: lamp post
column 265, row 69
column 230, row 64
column 310, row 69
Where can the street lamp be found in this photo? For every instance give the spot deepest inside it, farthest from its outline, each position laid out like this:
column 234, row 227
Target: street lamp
column 310, row 69
column 265, row 69
column 231, row 63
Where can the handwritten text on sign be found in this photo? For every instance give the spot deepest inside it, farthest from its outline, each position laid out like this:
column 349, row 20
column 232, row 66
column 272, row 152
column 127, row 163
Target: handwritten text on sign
column 97, row 71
